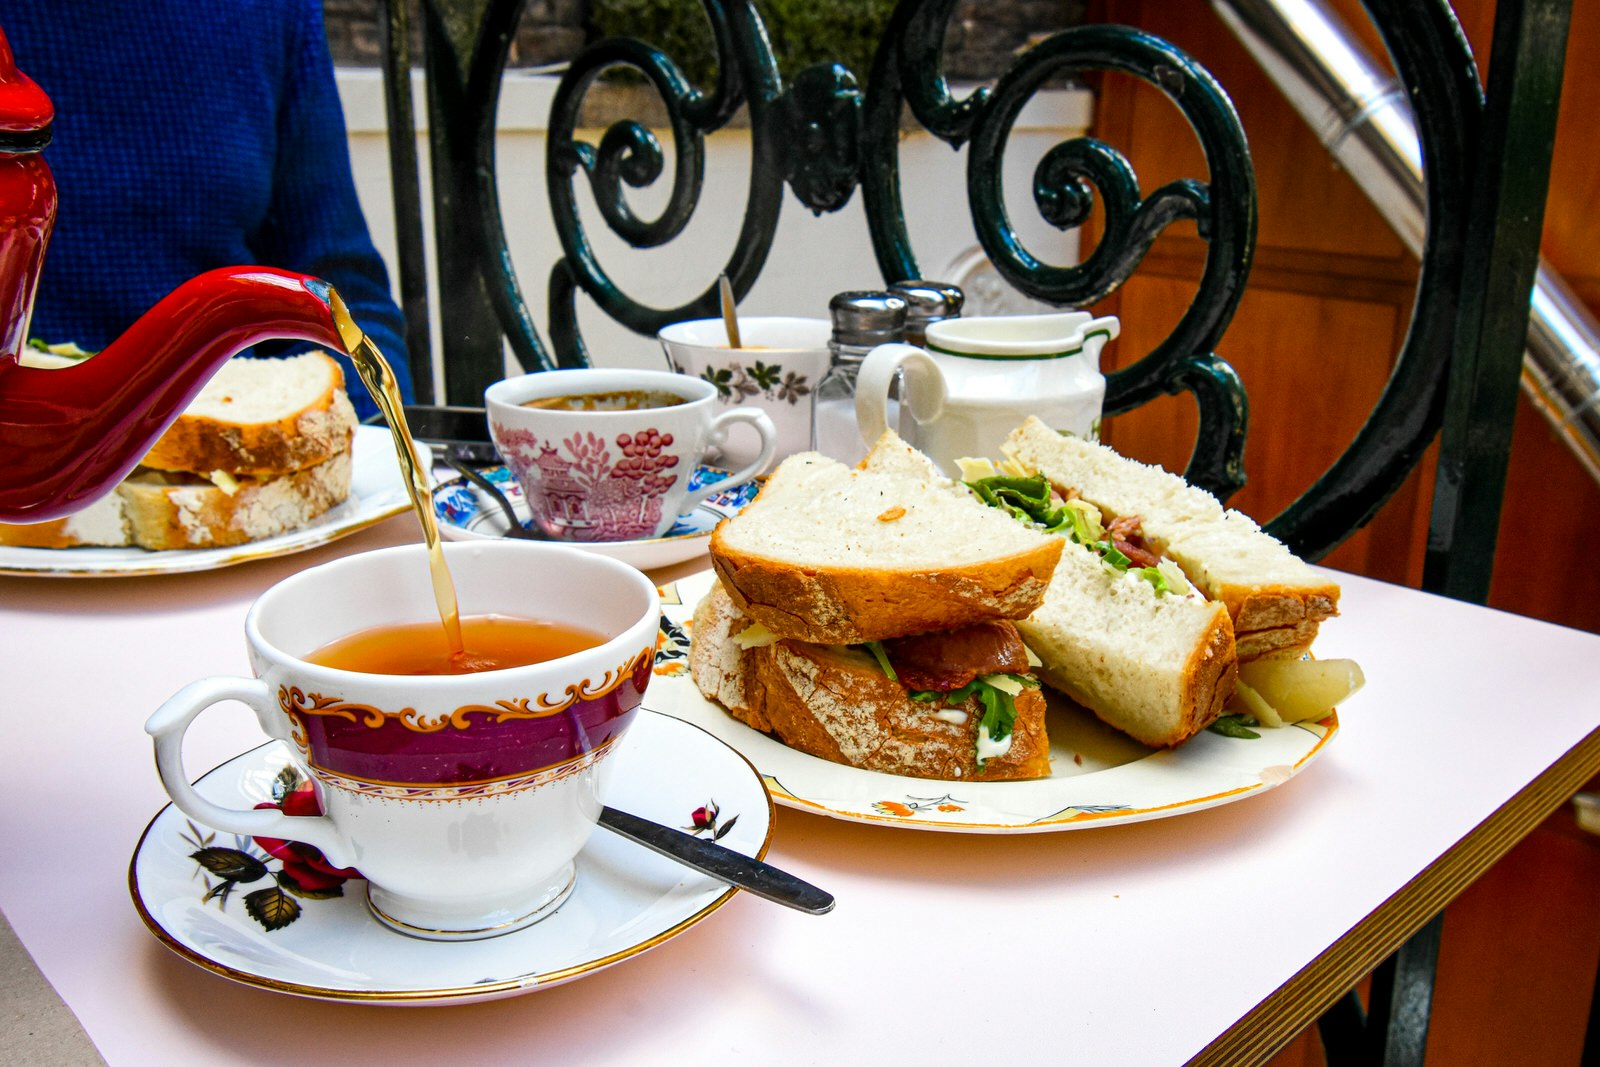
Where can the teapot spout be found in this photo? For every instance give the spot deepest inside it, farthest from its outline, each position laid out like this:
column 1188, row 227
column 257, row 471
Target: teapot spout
column 68, row 436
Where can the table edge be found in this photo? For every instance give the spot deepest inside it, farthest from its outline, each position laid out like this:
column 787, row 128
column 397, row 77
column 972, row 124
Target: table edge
column 1295, row 1005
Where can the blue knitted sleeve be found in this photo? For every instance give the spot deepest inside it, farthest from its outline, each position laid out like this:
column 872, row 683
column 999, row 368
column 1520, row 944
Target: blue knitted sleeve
column 314, row 224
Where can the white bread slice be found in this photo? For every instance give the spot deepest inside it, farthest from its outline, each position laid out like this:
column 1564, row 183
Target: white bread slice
column 835, row 555
column 834, row 702
column 1231, row 559
column 261, row 416
column 1159, row 667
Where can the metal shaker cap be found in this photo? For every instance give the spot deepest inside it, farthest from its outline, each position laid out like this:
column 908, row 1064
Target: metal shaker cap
column 927, row 302
column 867, row 317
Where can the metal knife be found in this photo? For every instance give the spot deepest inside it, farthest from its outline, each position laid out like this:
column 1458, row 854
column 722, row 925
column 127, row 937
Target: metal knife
column 720, row 862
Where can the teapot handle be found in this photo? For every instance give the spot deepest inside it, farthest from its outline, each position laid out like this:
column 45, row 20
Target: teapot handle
column 925, row 390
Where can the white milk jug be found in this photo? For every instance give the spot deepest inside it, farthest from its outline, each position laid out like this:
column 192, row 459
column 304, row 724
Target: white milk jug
column 980, row 378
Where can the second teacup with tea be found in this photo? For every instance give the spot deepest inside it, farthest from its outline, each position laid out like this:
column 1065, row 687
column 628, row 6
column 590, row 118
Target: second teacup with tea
column 776, row 368
column 610, row 454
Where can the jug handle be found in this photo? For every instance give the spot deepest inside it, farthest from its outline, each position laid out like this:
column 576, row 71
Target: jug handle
column 1109, row 325
column 924, row 393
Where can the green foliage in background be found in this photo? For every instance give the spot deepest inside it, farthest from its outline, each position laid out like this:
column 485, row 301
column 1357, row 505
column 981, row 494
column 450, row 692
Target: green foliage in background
column 803, row 32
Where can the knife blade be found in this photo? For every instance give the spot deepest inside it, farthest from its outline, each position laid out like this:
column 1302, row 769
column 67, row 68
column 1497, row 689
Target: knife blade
column 720, row 862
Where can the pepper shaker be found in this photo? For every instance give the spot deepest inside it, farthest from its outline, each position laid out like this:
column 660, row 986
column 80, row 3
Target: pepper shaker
column 862, row 320
column 927, row 302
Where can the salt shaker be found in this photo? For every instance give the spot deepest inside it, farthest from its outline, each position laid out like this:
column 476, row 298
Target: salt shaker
column 862, row 320
column 927, row 302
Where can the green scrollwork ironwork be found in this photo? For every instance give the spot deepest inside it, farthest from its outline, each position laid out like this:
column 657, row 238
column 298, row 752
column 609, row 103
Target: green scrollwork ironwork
column 630, row 155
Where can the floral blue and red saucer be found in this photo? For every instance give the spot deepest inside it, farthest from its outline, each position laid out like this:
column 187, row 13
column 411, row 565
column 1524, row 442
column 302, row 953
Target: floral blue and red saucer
column 466, row 513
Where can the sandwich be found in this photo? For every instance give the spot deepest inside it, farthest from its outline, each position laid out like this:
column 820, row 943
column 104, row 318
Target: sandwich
column 1163, row 599
column 1274, row 599
column 264, row 448
column 868, row 616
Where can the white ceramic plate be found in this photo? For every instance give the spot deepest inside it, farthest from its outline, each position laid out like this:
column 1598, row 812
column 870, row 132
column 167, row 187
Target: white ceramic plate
column 627, row 898
column 466, row 513
column 1100, row 777
column 377, row 491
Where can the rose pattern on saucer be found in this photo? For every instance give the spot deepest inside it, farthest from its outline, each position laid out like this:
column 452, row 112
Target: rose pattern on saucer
column 585, row 493
column 704, row 820
column 303, row 871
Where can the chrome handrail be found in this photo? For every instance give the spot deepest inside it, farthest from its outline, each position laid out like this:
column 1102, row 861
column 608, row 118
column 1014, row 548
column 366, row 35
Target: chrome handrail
column 1363, row 119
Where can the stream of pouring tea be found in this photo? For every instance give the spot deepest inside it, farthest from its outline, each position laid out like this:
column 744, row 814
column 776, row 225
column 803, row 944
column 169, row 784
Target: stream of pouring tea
column 374, row 371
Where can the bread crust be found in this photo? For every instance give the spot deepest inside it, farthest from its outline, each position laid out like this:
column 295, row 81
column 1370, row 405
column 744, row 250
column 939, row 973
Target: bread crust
column 852, row 605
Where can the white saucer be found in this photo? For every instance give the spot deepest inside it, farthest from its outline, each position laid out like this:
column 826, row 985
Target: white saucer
column 627, row 899
column 466, row 513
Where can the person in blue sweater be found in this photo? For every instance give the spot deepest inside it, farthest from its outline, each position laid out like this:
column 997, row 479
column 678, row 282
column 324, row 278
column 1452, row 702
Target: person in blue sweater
column 190, row 136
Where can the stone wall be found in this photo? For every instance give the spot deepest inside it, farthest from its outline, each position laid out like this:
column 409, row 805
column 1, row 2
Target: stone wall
column 982, row 34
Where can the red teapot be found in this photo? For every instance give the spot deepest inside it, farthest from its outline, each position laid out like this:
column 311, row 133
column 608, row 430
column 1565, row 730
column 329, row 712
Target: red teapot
column 67, row 436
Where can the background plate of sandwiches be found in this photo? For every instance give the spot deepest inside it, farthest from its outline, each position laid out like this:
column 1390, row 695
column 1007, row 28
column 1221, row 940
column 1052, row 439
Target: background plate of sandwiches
column 267, row 460
column 1059, row 643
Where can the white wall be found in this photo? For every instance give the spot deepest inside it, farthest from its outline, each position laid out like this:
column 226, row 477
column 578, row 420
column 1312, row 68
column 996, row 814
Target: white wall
column 812, row 257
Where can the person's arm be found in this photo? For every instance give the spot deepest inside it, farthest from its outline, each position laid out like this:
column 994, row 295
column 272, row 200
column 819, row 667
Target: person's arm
column 315, row 224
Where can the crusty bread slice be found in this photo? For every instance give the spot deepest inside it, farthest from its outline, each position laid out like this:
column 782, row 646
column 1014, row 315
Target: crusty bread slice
column 198, row 514
column 1231, row 559
column 835, row 555
column 261, row 416
column 1159, row 667
column 835, row 702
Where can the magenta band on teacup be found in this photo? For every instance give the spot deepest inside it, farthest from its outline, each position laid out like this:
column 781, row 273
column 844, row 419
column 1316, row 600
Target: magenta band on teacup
column 472, row 745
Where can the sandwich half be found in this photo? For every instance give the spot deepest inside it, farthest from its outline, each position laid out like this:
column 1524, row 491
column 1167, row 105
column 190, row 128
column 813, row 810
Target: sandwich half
column 1275, row 600
column 866, row 616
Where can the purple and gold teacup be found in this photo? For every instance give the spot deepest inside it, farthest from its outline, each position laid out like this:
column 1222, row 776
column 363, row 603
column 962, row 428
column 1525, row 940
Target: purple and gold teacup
column 463, row 799
column 607, row 455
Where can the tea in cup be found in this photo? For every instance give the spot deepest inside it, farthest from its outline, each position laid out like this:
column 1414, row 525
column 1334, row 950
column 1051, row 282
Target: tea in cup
column 979, row 378
column 608, row 455
column 462, row 798
column 777, row 369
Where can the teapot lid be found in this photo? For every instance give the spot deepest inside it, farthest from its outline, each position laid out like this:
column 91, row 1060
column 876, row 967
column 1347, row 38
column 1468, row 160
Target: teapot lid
column 25, row 110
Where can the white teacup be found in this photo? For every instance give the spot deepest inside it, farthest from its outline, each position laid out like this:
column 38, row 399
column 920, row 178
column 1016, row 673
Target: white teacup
column 463, row 799
column 981, row 377
column 777, row 370
column 616, row 474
